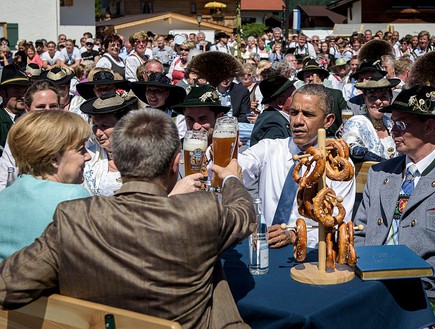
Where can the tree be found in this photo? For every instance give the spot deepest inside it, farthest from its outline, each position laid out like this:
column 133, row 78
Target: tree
column 254, row 29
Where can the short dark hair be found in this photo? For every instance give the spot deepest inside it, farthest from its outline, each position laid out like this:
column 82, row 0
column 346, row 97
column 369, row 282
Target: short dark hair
column 144, row 143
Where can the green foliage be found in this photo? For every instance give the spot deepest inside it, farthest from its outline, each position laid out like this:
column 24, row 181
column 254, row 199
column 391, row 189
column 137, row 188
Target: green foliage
column 254, row 29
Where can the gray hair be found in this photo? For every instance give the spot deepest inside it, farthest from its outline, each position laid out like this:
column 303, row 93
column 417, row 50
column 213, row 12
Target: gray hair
column 326, row 100
column 144, row 143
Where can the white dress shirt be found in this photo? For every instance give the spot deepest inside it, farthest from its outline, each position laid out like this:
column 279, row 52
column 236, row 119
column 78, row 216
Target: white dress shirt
column 270, row 160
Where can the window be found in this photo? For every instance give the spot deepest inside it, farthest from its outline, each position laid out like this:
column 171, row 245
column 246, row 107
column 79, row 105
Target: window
column 66, row 3
column 146, row 7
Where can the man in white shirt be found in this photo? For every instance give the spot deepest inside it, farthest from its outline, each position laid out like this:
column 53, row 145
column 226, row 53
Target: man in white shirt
column 270, row 161
column 222, row 44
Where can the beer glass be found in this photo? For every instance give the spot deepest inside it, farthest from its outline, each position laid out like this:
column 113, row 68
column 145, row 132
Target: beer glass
column 194, row 147
column 224, row 145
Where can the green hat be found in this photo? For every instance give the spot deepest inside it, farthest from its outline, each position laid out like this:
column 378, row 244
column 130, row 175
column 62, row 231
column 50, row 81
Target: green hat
column 204, row 96
column 274, row 86
column 416, row 100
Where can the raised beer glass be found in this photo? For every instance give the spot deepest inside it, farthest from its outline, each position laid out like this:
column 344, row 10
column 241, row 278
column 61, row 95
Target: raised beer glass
column 224, row 145
column 194, row 147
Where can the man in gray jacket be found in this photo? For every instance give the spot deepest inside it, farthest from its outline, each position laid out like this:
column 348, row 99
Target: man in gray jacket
column 398, row 205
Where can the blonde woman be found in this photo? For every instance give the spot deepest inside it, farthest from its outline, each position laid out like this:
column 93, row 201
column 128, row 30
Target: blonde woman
column 176, row 70
column 48, row 147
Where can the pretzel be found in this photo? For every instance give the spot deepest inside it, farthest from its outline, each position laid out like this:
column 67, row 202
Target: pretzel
column 351, row 261
column 324, row 204
column 330, row 247
column 300, row 245
column 334, row 147
column 305, row 201
column 309, row 178
column 339, row 169
column 345, row 148
column 343, row 244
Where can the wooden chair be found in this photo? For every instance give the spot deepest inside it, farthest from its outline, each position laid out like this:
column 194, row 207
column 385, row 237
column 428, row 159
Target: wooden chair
column 361, row 171
column 62, row 312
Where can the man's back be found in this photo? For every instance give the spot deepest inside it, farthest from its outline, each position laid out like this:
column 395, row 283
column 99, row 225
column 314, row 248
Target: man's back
column 138, row 250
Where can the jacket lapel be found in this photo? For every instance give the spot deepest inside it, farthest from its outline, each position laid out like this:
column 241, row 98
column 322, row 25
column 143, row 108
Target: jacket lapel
column 425, row 188
column 390, row 189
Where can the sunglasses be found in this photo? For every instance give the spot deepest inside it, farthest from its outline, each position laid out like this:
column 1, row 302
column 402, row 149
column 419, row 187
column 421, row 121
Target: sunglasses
column 184, row 49
column 400, row 125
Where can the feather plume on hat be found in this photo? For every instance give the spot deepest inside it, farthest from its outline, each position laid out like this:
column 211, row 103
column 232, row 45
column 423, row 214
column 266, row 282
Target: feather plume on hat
column 215, row 66
column 374, row 50
column 423, row 71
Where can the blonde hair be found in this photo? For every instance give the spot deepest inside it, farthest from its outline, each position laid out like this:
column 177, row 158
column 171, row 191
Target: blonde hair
column 39, row 136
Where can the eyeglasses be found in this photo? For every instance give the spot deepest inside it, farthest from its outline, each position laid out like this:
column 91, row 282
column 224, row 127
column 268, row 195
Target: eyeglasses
column 315, row 40
column 400, row 124
column 144, row 42
column 184, row 49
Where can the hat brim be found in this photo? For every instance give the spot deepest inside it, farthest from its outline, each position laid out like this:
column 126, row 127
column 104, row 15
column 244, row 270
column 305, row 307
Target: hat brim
column 321, row 72
column 60, row 82
column 284, row 87
column 15, row 82
column 86, row 89
column 366, row 69
column 404, row 108
column 88, row 108
column 393, row 82
column 176, row 93
column 215, row 108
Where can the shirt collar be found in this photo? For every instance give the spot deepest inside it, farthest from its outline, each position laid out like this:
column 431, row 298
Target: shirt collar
column 423, row 163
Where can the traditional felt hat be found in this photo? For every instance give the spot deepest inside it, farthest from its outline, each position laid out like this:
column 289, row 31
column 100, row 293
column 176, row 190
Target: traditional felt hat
column 58, row 75
column 33, row 71
column 273, row 86
column 176, row 93
column 312, row 66
column 339, row 62
column 369, row 66
column 108, row 103
column 220, row 35
column 86, row 89
column 377, row 84
column 215, row 66
column 423, row 71
column 11, row 75
column 418, row 100
column 203, row 96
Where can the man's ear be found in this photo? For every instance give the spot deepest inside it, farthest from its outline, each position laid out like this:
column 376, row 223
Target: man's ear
column 329, row 120
column 175, row 163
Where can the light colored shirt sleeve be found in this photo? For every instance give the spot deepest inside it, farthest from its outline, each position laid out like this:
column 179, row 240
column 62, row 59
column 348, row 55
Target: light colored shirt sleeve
column 6, row 161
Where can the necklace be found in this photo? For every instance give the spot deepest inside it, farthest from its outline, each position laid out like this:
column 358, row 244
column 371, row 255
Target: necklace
column 378, row 124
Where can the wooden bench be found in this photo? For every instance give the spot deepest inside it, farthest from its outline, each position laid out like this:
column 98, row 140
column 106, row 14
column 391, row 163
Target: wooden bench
column 62, row 312
column 361, row 172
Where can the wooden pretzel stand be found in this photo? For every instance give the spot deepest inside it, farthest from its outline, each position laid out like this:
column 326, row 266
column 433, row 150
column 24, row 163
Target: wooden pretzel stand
column 316, row 272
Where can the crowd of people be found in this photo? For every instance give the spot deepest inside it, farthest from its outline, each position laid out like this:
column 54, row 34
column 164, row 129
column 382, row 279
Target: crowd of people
column 91, row 174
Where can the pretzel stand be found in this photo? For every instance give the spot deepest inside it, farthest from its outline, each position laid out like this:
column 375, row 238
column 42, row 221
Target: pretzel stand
column 316, row 272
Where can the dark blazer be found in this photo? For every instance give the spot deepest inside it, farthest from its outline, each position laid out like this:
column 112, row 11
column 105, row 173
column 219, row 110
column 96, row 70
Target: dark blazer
column 338, row 106
column 240, row 101
column 5, row 124
column 139, row 250
column 417, row 226
column 270, row 124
